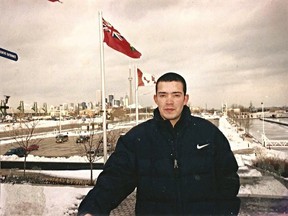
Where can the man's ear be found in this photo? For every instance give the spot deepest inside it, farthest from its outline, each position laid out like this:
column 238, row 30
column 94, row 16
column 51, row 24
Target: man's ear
column 186, row 99
column 155, row 99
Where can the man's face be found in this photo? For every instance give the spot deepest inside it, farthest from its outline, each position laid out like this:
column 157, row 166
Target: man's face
column 170, row 99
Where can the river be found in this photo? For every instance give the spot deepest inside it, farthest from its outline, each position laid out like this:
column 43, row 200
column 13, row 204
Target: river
column 272, row 131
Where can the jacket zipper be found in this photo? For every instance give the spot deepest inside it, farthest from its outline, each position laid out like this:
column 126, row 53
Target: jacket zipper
column 175, row 164
column 177, row 174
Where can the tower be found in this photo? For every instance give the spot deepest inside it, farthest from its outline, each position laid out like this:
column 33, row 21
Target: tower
column 21, row 107
column 35, row 107
column 130, row 86
column 44, row 108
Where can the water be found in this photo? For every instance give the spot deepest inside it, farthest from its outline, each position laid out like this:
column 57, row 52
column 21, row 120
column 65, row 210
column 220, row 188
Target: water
column 272, row 131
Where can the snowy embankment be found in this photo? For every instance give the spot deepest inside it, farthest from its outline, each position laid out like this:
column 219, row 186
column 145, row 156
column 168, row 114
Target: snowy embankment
column 237, row 143
column 29, row 199
column 263, row 186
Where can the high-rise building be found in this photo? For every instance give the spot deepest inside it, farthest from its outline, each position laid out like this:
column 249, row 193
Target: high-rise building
column 121, row 101
column 126, row 101
column 90, row 105
column 110, row 100
column 98, row 97
column 116, row 103
column 65, row 106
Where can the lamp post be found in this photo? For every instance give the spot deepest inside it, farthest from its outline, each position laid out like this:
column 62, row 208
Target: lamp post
column 60, row 118
column 263, row 132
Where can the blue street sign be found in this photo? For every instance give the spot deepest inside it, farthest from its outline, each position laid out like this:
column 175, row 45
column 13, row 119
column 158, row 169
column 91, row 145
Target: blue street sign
column 7, row 54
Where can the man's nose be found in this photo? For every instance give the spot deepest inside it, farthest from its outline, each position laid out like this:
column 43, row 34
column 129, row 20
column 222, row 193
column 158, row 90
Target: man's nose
column 169, row 98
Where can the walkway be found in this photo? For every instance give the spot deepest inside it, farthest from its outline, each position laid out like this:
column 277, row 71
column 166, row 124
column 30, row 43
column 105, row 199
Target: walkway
column 250, row 205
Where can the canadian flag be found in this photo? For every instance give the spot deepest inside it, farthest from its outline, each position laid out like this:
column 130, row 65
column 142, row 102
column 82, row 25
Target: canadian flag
column 145, row 79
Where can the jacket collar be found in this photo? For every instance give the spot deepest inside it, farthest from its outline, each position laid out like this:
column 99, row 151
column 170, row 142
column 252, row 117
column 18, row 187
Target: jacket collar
column 182, row 121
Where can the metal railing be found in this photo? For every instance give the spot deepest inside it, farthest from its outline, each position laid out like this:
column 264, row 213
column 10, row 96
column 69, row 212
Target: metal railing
column 267, row 142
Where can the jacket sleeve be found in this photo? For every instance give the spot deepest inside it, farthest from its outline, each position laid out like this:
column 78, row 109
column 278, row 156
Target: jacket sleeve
column 227, row 179
column 114, row 184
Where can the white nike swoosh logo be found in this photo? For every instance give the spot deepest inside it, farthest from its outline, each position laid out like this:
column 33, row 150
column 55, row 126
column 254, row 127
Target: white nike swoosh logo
column 202, row 146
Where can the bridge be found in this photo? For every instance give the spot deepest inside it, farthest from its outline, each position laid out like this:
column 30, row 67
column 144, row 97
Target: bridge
column 269, row 143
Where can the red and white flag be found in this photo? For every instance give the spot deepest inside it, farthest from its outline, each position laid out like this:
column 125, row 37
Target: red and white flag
column 116, row 41
column 145, row 79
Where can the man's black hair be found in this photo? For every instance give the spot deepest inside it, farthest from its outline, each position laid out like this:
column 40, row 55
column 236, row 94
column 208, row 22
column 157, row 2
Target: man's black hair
column 171, row 76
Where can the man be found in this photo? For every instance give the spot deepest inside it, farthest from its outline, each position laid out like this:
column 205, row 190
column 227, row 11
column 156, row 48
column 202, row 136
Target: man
column 180, row 164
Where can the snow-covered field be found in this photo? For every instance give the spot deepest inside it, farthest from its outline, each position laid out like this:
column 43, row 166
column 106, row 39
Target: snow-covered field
column 26, row 199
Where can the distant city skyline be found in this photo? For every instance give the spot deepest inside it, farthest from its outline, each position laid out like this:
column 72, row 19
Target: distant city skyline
column 110, row 99
column 233, row 52
column 119, row 102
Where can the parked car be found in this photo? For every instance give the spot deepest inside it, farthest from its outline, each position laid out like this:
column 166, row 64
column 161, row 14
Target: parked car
column 82, row 139
column 20, row 152
column 61, row 138
column 32, row 147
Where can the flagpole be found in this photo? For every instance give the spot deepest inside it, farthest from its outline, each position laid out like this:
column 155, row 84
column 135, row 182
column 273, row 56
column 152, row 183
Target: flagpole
column 103, row 86
column 136, row 94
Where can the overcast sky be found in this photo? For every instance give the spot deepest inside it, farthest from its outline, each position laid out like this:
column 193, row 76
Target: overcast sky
column 228, row 51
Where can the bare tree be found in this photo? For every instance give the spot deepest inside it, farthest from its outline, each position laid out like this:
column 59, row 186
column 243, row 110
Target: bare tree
column 247, row 123
column 112, row 137
column 93, row 147
column 22, row 134
column 90, row 146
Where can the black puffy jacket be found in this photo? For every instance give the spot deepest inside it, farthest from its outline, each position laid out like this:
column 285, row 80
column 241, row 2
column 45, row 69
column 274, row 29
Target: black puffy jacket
column 185, row 170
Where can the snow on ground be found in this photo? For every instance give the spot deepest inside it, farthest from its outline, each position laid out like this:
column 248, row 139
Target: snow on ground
column 31, row 200
column 236, row 142
column 49, row 123
column 33, row 158
column 26, row 199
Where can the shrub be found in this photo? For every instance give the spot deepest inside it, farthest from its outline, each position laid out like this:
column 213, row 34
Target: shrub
column 275, row 165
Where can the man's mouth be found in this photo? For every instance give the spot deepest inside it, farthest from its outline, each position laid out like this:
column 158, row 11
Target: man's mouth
column 169, row 109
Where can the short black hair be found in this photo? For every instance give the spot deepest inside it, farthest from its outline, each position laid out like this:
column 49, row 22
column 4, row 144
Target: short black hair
column 172, row 76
